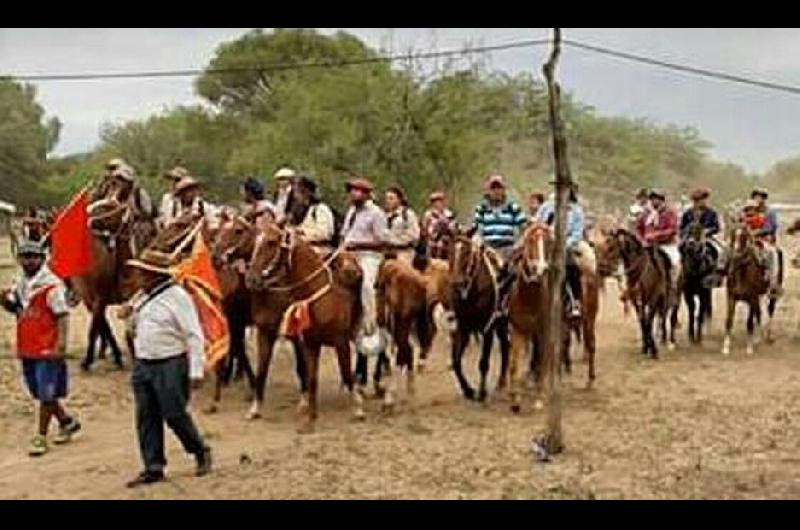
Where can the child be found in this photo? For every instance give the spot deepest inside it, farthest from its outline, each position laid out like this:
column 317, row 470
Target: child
column 39, row 301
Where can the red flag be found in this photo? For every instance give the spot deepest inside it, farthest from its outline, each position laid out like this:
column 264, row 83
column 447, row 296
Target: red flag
column 71, row 239
column 197, row 275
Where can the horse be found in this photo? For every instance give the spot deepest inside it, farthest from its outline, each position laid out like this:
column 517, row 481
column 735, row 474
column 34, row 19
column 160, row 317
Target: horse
column 647, row 274
column 232, row 250
column 402, row 303
column 117, row 237
column 698, row 266
column 325, row 311
column 528, row 307
column 746, row 283
column 475, row 301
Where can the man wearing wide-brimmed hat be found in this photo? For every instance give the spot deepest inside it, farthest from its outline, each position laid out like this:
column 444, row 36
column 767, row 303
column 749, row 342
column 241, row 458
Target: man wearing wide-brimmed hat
column 128, row 192
column 104, row 189
column 169, row 204
column 283, row 179
column 659, row 228
column 767, row 236
column 40, row 304
column 168, row 347
column 315, row 221
column 436, row 224
column 190, row 201
column 364, row 233
column 702, row 215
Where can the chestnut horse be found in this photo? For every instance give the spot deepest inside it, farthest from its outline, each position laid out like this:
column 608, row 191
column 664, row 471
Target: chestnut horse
column 746, row 283
column 233, row 248
column 328, row 311
column 647, row 275
column 402, row 303
column 475, row 300
column 117, row 238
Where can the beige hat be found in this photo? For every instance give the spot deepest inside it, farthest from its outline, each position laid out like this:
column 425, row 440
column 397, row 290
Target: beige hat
column 153, row 261
column 124, row 172
column 115, row 163
column 284, row 173
column 176, row 173
column 186, row 183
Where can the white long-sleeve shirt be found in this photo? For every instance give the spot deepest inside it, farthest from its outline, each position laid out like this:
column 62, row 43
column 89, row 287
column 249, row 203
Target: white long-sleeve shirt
column 168, row 326
column 318, row 225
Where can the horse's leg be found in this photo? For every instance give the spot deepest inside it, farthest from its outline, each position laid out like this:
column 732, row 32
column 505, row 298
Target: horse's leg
column 589, row 344
column 772, row 302
column 300, row 368
column 673, row 324
column 688, row 297
column 403, row 361
column 753, row 319
column 108, row 336
column 705, row 312
column 266, row 343
column 726, row 343
column 505, row 348
column 641, row 313
column 346, row 375
column 460, row 340
column 312, row 352
column 483, row 365
column 426, row 331
column 519, row 342
column 651, row 313
column 94, row 331
column 565, row 358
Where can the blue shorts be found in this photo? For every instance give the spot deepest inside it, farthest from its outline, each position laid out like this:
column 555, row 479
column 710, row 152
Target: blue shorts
column 46, row 378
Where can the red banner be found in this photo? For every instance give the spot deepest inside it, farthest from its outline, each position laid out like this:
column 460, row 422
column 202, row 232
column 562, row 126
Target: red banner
column 72, row 240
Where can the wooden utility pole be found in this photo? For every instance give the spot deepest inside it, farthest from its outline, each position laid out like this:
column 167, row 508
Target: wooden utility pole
column 554, row 440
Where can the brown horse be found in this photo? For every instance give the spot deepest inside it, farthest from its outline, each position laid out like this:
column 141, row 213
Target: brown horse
column 647, row 275
column 233, row 249
column 475, row 301
column 746, row 283
column 528, row 308
column 402, row 303
column 325, row 311
column 117, row 238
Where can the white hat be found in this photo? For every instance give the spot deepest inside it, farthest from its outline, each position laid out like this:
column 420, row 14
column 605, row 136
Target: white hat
column 284, row 173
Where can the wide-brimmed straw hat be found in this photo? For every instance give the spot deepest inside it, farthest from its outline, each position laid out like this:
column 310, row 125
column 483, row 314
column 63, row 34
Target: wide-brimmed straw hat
column 30, row 248
column 763, row 192
column 359, row 184
column 176, row 173
column 700, row 194
column 436, row 196
column 657, row 194
column 153, row 261
column 186, row 183
column 284, row 173
column 124, row 173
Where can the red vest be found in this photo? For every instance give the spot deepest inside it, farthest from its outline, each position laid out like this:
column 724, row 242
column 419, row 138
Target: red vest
column 37, row 328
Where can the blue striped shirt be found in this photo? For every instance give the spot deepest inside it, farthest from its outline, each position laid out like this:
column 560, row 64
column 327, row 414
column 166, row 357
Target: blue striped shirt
column 499, row 226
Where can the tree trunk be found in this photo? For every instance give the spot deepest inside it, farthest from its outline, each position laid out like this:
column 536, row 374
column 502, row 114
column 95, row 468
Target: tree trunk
column 563, row 182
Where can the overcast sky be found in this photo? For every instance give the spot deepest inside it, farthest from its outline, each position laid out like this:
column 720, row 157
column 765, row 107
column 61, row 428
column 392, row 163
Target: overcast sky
column 747, row 125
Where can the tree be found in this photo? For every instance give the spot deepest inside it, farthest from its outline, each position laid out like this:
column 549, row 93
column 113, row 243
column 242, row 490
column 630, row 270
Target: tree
column 26, row 137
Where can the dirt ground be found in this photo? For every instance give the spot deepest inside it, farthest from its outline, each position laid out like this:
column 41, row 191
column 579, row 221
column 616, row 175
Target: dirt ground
column 692, row 425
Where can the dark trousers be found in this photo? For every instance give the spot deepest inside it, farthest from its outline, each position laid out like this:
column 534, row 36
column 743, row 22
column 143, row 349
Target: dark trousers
column 161, row 393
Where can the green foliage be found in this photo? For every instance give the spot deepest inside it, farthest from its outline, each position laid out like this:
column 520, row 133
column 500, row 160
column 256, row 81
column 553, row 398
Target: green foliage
column 783, row 179
column 26, row 137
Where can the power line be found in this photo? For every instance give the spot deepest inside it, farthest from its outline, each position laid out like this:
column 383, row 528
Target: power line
column 684, row 68
column 282, row 66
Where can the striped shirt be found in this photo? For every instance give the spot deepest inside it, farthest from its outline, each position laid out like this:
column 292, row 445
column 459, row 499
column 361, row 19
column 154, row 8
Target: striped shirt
column 499, row 226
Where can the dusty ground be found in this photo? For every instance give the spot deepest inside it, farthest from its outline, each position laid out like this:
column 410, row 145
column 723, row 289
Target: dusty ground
column 693, row 425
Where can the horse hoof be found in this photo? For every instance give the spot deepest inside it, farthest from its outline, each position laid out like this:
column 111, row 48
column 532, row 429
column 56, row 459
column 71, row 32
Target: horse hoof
column 359, row 416
column 387, row 409
column 749, row 351
column 516, row 408
column 482, row 396
column 538, row 404
column 211, row 409
column 86, row 367
column 119, row 367
column 671, row 346
column 469, row 394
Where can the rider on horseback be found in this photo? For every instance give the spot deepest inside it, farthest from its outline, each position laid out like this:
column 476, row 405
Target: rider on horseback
column 579, row 252
column 658, row 228
column 498, row 223
column 703, row 215
column 763, row 222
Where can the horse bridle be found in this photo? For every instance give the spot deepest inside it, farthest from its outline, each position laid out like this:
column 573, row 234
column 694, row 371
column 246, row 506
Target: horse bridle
column 472, row 265
column 227, row 255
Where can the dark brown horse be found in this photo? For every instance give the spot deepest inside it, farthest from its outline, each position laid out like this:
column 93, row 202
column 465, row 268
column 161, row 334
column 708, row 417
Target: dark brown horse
column 325, row 312
column 746, row 282
column 118, row 237
column 647, row 276
column 402, row 304
column 475, row 300
column 233, row 249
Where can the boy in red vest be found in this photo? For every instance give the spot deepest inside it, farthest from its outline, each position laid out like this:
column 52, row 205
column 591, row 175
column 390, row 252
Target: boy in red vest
column 39, row 302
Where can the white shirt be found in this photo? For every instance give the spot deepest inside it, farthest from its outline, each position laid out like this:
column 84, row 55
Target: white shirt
column 56, row 299
column 169, row 207
column 366, row 224
column 318, row 224
column 168, row 326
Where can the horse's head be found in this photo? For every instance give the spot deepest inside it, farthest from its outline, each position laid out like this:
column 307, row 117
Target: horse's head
column 108, row 216
column 271, row 257
column 235, row 240
column 536, row 247
column 464, row 258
